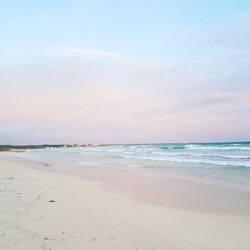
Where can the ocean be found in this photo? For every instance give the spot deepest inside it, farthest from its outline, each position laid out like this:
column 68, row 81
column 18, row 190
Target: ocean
column 226, row 164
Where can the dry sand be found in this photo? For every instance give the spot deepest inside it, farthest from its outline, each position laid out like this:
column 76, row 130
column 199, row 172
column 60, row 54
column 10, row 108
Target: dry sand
column 45, row 210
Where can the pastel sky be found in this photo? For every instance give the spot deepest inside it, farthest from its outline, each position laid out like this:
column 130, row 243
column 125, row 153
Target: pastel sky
column 124, row 71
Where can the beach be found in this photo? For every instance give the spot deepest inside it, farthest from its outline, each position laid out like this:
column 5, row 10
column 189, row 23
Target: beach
column 125, row 125
column 53, row 207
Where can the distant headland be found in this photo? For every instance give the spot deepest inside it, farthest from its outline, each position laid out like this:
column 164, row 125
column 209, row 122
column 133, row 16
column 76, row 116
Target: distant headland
column 21, row 148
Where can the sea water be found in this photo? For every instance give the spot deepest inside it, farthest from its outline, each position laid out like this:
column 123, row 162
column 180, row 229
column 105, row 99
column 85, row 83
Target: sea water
column 226, row 164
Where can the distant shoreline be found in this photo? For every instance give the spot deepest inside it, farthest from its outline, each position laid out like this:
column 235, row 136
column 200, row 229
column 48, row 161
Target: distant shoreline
column 21, row 148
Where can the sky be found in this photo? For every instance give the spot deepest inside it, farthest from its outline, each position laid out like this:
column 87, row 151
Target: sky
column 124, row 71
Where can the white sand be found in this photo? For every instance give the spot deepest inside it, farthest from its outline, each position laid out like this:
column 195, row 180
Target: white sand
column 85, row 216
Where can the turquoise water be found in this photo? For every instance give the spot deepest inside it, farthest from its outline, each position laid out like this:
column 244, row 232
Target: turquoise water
column 226, row 164
column 223, row 154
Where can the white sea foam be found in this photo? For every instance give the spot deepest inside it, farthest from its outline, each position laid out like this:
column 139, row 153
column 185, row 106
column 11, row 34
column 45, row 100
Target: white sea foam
column 234, row 155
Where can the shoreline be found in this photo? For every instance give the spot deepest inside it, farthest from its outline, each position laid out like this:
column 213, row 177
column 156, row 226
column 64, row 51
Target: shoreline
column 167, row 192
column 54, row 210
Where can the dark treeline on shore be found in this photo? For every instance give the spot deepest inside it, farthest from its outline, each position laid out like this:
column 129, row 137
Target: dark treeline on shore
column 25, row 147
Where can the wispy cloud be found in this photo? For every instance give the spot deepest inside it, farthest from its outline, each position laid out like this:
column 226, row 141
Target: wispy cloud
column 88, row 53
